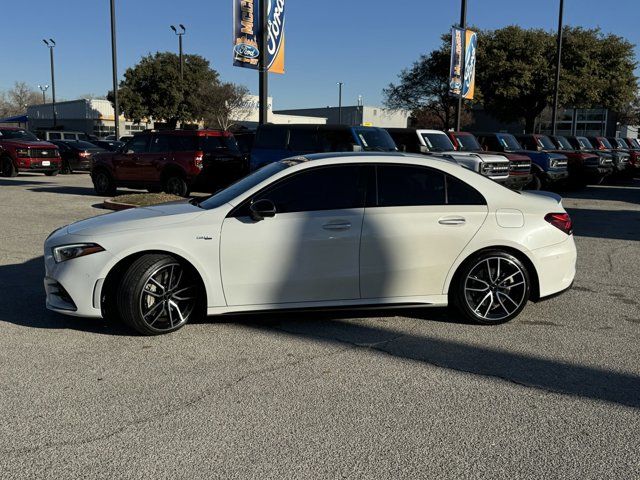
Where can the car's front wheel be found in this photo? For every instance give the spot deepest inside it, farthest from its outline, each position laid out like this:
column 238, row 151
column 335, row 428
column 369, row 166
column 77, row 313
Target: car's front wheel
column 159, row 294
column 176, row 185
column 491, row 288
column 103, row 183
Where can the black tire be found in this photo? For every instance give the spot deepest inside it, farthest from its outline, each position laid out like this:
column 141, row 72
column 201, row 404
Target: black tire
column 497, row 295
column 535, row 183
column 66, row 168
column 103, row 183
column 7, row 168
column 152, row 303
column 176, row 185
column 51, row 173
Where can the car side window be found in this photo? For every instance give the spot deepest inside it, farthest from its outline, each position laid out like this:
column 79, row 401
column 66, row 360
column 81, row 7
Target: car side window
column 335, row 140
column 460, row 193
column 159, row 144
column 406, row 185
column 272, row 138
column 55, row 136
column 138, row 144
column 70, row 136
column 303, row 140
column 318, row 189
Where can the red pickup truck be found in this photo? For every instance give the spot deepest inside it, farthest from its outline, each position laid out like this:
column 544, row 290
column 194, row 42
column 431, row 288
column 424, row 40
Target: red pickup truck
column 21, row 151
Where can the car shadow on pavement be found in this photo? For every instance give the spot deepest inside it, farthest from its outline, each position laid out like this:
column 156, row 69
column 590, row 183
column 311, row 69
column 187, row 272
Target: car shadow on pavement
column 65, row 189
column 17, row 183
column 607, row 224
column 22, row 302
column 548, row 375
column 627, row 191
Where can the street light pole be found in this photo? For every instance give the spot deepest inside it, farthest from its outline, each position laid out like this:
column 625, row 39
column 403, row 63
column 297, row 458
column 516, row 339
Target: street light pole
column 340, row 102
column 51, row 44
column 463, row 25
column 43, row 88
column 263, row 70
column 554, row 112
column 180, row 34
column 114, row 68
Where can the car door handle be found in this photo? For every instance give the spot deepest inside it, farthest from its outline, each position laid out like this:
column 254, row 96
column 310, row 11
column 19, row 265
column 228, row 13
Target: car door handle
column 452, row 221
column 337, row 226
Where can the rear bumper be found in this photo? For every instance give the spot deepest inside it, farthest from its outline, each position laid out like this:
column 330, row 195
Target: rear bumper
column 556, row 267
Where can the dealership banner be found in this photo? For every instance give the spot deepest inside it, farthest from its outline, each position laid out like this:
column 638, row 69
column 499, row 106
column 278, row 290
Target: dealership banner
column 462, row 72
column 469, row 81
column 247, row 31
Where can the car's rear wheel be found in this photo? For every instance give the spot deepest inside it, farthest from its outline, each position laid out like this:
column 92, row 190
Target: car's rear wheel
column 159, row 294
column 176, row 185
column 491, row 288
column 51, row 173
column 535, row 183
column 103, row 183
column 7, row 168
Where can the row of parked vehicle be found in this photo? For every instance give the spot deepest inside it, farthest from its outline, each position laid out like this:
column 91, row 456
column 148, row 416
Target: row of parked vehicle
column 179, row 161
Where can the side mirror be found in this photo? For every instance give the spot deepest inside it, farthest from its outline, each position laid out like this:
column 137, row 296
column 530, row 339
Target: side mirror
column 424, row 149
column 356, row 148
column 262, row 209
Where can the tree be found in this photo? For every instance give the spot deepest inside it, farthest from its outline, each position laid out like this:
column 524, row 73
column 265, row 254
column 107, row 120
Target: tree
column 226, row 105
column 16, row 100
column 153, row 88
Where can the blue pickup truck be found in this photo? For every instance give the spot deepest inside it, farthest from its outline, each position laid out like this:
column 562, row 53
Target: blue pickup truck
column 548, row 169
column 276, row 142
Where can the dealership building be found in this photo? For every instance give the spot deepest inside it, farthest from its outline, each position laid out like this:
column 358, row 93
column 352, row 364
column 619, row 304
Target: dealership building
column 366, row 115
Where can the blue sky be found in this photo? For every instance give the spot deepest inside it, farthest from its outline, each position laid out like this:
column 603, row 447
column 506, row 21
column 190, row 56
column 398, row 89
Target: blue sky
column 364, row 43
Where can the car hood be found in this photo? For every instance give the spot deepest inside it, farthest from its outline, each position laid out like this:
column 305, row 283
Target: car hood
column 30, row 144
column 141, row 218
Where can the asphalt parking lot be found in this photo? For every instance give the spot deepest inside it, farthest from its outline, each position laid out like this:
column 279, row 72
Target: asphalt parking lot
column 384, row 394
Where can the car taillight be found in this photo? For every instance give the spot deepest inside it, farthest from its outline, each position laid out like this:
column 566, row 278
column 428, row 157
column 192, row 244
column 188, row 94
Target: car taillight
column 561, row 221
column 198, row 160
column 22, row 152
column 84, row 154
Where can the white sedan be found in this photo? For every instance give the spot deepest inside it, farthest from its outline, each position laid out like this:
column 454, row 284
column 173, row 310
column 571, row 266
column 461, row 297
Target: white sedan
column 331, row 230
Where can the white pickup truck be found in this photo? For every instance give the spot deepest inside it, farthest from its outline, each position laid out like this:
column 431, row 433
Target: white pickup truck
column 437, row 143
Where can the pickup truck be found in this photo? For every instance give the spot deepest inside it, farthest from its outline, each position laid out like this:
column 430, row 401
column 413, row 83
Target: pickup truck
column 584, row 145
column 21, row 151
column 584, row 167
column 437, row 143
column 519, row 165
column 634, row 154
column 548, row 169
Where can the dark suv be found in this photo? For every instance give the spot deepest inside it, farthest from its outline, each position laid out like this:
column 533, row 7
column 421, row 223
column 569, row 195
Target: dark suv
column 21, row 151
column 176, row 161
column 276, row 142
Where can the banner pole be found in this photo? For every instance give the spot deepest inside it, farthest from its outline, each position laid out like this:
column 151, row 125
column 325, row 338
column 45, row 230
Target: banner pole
column 463, row 26
column 263, row 71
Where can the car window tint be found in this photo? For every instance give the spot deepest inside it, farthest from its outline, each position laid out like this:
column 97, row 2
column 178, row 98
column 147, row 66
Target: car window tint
column 325, row 188
column 406, row 141
column 272, row 138
column 159, row 144
column 302, row 140
column 55, row 136
column 182, row 143
column 138, row 144
column 340, row 140
column 70, row 136
column 403, row 185
column 213, row 144
column 459, row 193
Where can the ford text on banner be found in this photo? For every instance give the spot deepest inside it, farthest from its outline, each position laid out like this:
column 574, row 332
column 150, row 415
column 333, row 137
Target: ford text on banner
column 457, row 57
column 247, row 29
column 469, row 83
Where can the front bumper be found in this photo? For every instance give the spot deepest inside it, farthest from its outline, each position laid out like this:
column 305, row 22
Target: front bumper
column 36, row 165
column 556, row 266
column 517, row 182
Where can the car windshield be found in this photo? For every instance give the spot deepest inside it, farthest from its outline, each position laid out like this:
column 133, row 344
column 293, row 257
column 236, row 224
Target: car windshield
column 438, row 142
column 509, row 142
column 232, row 191
column 80, row 145
column 621, row 144
column 585, row 143
column 546, row 143
column 17, row 135
column 375, row 139
column 468, row 143
column 564, row 143
column 606, row 143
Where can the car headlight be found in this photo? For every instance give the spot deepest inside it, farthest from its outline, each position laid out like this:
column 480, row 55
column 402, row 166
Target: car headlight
column 68, row 252
column 22, row 152
column 554, row 163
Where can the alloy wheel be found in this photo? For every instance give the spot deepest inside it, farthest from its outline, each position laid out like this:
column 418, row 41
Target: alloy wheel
column 495, row 288
column 168, row 298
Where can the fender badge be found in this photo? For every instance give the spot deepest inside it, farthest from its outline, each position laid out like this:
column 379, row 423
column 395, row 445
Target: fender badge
column 204, row 237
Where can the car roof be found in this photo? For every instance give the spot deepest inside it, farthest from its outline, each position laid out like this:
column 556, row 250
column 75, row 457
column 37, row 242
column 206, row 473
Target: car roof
column 372, row 156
